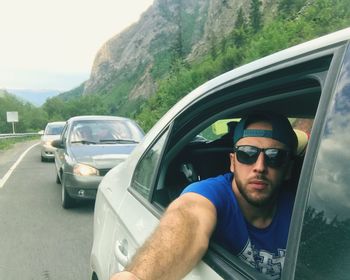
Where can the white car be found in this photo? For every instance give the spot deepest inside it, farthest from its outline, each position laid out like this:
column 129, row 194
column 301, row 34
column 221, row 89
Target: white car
column 308, row 83
column 52, row 132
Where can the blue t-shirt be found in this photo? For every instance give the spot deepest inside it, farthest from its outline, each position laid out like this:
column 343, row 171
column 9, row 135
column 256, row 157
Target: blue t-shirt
column 263, row 249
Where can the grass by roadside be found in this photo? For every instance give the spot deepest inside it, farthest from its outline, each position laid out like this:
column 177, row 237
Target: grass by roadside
column 9, row 142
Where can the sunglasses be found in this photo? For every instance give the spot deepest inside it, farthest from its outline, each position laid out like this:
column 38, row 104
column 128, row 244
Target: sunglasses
column 274, row 157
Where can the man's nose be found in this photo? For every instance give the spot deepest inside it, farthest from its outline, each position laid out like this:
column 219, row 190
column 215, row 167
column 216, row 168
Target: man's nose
column 260, row 165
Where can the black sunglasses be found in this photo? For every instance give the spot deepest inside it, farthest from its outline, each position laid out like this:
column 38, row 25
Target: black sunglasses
column 274, row 157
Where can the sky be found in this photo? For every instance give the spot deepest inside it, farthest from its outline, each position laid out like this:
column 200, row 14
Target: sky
column 51, row 44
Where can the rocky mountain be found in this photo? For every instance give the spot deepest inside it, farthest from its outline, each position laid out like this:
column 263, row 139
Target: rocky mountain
column 128, row 66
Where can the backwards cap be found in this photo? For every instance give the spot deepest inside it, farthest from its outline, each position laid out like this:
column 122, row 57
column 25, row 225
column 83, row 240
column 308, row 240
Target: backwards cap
column 282, row 130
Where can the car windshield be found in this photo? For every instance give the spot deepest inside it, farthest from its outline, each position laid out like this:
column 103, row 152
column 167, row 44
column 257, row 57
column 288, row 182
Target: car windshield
column 106, row 132
column 54, row 129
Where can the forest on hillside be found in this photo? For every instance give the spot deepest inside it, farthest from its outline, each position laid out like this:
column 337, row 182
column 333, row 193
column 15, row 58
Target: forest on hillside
column 253, row 36
column 30, row 118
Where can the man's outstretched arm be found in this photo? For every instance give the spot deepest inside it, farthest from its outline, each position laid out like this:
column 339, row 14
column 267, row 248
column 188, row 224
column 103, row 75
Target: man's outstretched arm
column 178, row 243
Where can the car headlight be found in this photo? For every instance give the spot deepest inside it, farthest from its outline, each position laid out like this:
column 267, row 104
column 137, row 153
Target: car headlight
column 46, row 143
column 85, row 170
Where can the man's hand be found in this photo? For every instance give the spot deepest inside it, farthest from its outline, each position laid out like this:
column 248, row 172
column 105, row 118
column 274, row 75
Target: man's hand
column 178, row 243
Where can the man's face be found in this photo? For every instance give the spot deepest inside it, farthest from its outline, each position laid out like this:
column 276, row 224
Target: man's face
column 258, row 183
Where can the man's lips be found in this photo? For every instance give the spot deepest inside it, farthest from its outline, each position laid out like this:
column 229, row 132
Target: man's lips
column 258, row 184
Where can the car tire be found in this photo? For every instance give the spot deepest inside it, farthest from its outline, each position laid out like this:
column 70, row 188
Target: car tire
column 67, row 201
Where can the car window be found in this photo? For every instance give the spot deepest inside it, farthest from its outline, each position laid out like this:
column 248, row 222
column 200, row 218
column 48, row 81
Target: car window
column 219, row 129
column 81, row 131
column 54, row 129
column 106, row 131
column 146, row 169
column 325, row 240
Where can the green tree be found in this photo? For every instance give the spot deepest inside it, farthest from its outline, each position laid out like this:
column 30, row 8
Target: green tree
column 54, row 108
column 240, row 20
column 255, row 15
column 30, row 118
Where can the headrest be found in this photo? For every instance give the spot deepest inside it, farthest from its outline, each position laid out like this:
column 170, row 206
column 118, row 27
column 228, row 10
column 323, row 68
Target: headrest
column 303, row 139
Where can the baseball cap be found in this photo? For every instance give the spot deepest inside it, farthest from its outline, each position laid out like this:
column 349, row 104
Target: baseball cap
column 282, row 130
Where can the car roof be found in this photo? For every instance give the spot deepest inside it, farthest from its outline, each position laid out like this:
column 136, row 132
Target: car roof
column 56, row 123
column 95, row 117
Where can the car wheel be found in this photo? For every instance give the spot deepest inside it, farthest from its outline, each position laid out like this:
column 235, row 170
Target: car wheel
column 67, row 201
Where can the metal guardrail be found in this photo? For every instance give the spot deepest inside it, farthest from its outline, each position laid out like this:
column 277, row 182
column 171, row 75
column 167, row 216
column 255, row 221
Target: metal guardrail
column 16, row 135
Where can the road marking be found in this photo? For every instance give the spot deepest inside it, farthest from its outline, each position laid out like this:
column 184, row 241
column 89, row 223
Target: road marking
column 13, row 167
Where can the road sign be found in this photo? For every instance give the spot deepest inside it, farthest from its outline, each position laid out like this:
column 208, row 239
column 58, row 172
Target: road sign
column 12, row 117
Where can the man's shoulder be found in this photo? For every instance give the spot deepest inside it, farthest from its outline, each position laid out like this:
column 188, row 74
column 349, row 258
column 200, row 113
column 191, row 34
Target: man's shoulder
column 221, row 180
column 212, row 188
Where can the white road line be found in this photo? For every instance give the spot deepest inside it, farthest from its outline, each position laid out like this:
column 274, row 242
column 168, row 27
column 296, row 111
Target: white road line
column 13, row 167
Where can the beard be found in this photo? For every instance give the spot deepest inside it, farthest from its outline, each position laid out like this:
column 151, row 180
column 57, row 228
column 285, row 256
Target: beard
column 256, row 198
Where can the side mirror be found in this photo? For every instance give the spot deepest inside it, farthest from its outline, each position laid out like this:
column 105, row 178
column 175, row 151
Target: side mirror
column 57, row 144
column 41, row 132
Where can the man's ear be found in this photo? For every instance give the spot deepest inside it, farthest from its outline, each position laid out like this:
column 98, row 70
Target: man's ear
column 232, row 162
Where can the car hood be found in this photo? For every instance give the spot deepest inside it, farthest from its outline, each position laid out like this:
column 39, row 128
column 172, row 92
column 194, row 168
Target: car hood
column 101, row 156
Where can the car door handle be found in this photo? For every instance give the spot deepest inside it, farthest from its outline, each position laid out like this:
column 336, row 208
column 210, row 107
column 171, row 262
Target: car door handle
column 121, row 252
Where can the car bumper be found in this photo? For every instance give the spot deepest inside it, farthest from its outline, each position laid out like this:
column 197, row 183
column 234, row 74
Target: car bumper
column 82, row 187
column 48, row 152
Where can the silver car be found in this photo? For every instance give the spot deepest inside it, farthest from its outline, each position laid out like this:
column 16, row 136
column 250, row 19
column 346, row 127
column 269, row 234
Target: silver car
column 52, row 132
column 88, row 148
column 310, row 84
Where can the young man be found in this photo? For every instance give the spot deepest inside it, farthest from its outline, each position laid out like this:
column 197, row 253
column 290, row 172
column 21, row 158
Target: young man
column 247, row 211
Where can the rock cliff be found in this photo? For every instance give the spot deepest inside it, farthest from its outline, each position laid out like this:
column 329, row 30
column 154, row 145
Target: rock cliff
column 129, row 64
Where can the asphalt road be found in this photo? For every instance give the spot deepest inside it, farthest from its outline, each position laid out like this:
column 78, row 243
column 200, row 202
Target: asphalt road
column 38, row 238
